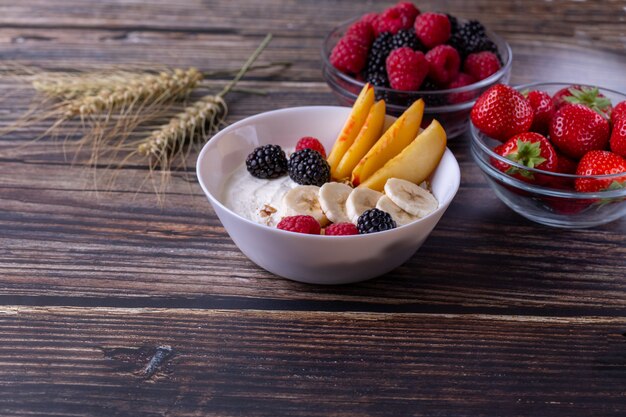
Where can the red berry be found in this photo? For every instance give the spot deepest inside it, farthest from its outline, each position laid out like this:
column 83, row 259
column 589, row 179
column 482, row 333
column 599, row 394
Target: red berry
column 564, row 165
column 406, row 69
column 309, row 142
column 362, row 31
column 394, row 19
column 369, row 18
column 432, row 29
column 408, row 11
column 481, row 65
column 529, row 149
column 576, row 129
column 619, row 111
column 587, row 96
column 444, row 63
column 618, row 137
column 341, row 229
column 461, row 80
column 600, row 163
column 300, row 224
column 501, row 112
column 349, row 55
column 543, row 110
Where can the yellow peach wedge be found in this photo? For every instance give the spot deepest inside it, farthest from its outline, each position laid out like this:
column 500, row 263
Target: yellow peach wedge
column 369, row 134
column 351, row 128
column 392, row 142
column 416, row 162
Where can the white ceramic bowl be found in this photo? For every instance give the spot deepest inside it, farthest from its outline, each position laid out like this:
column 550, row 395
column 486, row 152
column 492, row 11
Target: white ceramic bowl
column 309, row 258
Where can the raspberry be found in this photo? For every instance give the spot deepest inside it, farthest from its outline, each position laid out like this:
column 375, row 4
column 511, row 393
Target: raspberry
column 461, row 80
column 268, row 161
column 349, row 55
column 309, row 142
column 376, row 72
column 375, row 220
column 481, row 65
column 443, row 62
column 432, row 29
column 362, row 31
column 369, row 18
column 408, row 11
column 406, row 69
column 341, row 229
column 308, row 167
column 300, row 224
column 394, row 19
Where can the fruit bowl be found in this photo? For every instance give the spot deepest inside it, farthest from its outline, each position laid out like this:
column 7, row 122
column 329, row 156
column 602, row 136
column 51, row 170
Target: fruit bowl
column 553, row 202
column 311, row 258
column 450, row 107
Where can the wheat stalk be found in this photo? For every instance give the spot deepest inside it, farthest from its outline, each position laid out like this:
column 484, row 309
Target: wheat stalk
column 205, row 116
column 166, row 86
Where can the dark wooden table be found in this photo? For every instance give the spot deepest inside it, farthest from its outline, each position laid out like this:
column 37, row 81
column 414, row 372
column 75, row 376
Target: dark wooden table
column 494, row 316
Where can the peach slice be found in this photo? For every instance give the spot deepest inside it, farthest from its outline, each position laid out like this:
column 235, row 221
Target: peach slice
column 351, row 128
column 416, row 162
column 369, row 134
column 392, row 142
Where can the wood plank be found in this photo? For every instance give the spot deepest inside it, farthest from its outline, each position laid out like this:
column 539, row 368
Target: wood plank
column 74, row 361
column 60, row 241
column 574, row 22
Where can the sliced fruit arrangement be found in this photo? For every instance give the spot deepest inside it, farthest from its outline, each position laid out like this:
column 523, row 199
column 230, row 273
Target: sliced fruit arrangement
column 373, row 179
column 575, row 131
column 407, row 50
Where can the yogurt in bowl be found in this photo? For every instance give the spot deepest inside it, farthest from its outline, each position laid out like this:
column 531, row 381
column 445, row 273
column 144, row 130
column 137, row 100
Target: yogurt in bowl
column 307, row 258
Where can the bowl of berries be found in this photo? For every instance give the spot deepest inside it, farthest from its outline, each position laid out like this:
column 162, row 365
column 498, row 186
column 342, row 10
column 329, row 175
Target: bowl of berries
column 407, row 55
column 326, row 194
column 555, row 153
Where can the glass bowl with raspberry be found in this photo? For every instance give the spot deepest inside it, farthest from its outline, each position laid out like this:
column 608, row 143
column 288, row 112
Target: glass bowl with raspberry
column 408, row 55
column 565, row 164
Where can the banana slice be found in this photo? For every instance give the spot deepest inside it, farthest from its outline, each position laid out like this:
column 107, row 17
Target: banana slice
column 333, row 196
column 303, row 200
column 400, row 216
column 410, row 197
column 359, row 200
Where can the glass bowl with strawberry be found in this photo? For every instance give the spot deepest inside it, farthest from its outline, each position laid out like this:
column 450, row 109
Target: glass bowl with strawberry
column 554, row 152
column 407, row 54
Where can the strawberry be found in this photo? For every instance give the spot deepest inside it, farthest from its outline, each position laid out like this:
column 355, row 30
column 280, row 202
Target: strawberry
column 587, row 96
column 502, row 112
column 543, row 110
column 618, row 137
column 576, row 129
column 529, row 149
column 619, row 111
column 564, row 165
column 600, row 163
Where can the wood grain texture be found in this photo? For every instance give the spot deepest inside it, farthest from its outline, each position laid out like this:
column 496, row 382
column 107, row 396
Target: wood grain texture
column 92, row 283
column 253, row 363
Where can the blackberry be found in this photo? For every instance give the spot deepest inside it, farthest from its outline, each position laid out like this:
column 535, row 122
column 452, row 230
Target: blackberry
column 407, row 37
column 469, row 38
column 432, row 99
column 375, row 69
column 375, row 220
column 308, row 167
column 268, row 161
column 454, row 23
